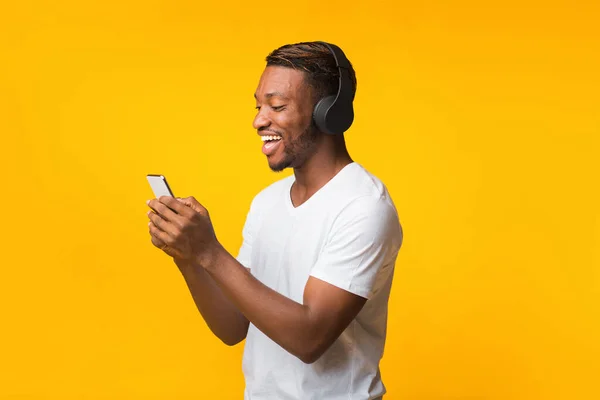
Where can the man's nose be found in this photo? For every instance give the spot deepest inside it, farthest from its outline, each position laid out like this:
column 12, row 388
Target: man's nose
column 260, row 121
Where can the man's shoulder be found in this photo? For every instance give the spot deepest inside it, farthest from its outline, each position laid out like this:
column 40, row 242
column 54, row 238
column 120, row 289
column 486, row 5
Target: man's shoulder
column 358, row 185
column 364, row 201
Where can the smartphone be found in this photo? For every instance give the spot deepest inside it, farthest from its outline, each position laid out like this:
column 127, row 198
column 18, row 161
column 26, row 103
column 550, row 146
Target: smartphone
column 159, row 185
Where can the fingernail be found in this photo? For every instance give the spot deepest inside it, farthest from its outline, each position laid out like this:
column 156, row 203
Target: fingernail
column 147, row 201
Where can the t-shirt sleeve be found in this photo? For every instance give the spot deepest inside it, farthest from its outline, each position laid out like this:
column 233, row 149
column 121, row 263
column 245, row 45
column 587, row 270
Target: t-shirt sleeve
column 365, row 237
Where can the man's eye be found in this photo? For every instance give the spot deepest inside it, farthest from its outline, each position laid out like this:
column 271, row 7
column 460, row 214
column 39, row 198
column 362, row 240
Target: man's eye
column 277, row 108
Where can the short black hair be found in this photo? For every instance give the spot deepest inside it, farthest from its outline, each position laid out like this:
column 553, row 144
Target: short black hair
column 318, row 63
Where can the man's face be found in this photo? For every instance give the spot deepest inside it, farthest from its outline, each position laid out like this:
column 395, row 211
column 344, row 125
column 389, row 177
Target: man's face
column 285, row 103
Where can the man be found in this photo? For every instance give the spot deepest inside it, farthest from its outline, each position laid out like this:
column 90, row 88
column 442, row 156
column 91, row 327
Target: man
column 309, row 288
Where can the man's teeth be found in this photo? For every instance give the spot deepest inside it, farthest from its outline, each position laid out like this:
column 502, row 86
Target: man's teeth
column 270, row 137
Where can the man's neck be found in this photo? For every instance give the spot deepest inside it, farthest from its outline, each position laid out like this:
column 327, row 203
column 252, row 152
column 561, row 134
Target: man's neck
column 318, row 170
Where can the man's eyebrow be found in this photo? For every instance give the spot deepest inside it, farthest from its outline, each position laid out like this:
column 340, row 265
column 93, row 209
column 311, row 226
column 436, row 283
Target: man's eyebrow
column 273, row 94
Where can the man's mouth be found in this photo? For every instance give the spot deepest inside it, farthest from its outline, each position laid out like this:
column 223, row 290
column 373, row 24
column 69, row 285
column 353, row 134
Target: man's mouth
column 271, row 143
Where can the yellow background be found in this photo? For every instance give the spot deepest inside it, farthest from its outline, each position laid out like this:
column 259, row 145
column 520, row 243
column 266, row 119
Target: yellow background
column 482, row 119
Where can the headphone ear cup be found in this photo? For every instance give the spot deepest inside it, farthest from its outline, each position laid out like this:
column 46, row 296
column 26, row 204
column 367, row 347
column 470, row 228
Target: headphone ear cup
column 320, row 114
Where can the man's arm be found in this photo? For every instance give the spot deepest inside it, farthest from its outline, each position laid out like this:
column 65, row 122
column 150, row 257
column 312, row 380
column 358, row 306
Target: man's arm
column 305, row 330
column 228, row 296
column 219, row 313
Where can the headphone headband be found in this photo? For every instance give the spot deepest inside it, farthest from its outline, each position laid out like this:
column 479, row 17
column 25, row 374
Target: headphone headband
column 343, row 65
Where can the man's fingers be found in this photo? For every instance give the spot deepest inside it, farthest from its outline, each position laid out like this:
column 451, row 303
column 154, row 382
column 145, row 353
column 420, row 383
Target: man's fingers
column 172, row 204
column 165, row 211
column 192, row 203
column 156, row 241
column 159, row 237
column 168, row 227
column 161, row 240
column 154, row 237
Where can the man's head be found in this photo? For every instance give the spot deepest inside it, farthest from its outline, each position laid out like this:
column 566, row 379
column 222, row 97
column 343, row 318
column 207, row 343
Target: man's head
column 297, row 76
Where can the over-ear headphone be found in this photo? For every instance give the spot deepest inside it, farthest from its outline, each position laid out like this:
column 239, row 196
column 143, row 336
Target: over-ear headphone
column 334, row 114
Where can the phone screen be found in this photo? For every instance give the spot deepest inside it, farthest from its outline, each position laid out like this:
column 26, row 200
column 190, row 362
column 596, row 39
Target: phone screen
column 159, row 185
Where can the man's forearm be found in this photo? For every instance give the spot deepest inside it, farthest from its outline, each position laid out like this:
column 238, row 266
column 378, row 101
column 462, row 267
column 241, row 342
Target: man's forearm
column 220, row 314
column 285, row 321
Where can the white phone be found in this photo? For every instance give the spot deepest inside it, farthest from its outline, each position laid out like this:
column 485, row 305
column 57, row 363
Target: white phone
column 159, row 185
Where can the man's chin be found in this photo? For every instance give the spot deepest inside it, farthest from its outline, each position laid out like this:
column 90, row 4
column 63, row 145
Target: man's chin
column 279, row 166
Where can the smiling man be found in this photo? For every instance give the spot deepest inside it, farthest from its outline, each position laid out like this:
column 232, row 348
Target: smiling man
column 310, row 285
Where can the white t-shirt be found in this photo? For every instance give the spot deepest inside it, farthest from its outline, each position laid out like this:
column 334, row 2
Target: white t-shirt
column 347, row 234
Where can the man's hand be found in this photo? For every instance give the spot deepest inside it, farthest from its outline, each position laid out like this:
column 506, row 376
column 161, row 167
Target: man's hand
column 182, row 229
